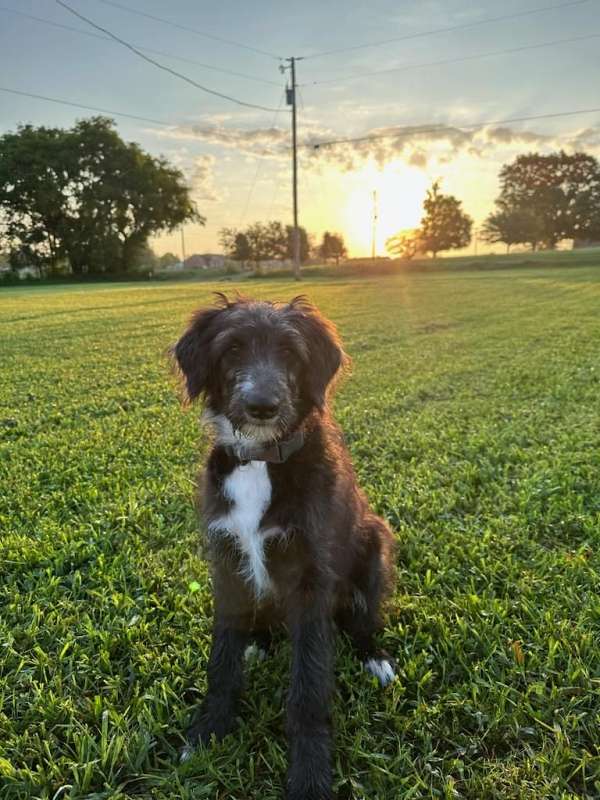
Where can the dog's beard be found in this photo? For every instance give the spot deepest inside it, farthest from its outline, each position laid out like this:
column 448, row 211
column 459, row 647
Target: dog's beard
column 234, row 429
column 265, row 431
column 261, row 432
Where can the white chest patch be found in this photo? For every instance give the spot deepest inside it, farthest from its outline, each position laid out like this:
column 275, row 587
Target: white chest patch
column 248, row 488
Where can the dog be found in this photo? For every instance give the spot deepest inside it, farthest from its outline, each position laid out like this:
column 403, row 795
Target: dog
column 290, row 536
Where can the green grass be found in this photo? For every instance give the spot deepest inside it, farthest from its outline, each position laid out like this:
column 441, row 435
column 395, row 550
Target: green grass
column 472, row 416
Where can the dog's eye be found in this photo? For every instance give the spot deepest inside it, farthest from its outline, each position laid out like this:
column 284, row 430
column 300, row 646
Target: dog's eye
column 234, row 348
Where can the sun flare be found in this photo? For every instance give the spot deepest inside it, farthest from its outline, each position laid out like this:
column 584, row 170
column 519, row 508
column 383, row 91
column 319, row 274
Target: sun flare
column 398, row 191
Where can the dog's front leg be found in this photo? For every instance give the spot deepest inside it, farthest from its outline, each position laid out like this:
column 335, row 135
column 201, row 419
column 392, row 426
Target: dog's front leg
column 308, row 710
column 216, row 714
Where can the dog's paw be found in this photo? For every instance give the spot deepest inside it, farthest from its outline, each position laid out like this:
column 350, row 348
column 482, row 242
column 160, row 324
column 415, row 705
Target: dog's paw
column 382, row 667
column 203, row 729
column 309, row 779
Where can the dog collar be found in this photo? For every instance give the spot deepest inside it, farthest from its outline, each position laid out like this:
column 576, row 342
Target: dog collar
column 275, row 453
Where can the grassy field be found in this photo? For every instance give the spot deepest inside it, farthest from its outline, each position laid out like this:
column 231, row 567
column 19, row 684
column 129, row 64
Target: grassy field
column 473, row 418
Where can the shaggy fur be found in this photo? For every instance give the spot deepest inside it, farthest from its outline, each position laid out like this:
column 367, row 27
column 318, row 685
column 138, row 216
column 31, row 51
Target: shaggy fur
column 291, row 543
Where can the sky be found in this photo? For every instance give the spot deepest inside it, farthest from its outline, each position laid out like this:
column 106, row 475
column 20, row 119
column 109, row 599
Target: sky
column 236, row 159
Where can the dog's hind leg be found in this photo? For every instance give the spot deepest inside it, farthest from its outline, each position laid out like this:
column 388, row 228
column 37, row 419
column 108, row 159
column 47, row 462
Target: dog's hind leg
column 360, row 617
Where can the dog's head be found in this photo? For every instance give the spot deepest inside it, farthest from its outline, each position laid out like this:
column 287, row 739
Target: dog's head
column 260, row 366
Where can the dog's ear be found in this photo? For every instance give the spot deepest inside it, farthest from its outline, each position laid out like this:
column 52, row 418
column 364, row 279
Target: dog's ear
column 324, row 349
column 192, row 351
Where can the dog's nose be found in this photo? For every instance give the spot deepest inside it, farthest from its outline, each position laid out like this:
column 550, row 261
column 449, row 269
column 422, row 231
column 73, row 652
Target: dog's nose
column 262, row 406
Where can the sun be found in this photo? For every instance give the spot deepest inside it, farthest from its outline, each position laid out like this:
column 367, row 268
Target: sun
column 399, row 192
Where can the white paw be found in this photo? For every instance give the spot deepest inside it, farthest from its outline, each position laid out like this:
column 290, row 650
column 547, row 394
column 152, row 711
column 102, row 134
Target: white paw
column 382, row 669
column 254, row 653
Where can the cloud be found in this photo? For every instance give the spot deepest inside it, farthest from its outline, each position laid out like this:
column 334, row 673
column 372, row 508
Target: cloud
column 203, row 179
column 384, row 144
column 588, row 138
column 418, row 145
column 443, row 144
column 268, row 142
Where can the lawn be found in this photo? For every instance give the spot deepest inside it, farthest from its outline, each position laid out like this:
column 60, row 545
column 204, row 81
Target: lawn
column 473, row 417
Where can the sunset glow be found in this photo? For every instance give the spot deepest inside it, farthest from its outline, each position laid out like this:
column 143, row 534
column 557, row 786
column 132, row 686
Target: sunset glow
column 399, row 189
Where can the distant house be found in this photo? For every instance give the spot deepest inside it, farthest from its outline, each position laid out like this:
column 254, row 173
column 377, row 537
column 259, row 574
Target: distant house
column 205, row 261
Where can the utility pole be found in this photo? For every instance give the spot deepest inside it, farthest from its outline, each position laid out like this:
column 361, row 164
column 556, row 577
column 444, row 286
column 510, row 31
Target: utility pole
column 182, row 248
column 291, row 101
column 374, row 229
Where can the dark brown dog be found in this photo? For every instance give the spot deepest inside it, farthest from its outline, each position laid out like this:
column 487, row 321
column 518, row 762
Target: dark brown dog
column 291, row 537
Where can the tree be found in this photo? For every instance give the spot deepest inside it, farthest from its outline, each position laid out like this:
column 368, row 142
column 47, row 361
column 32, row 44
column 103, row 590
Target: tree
column 235, row 245
column 241, row 250
column 257, row 236
column 263, row 240
column 405, row 244
column 85, row 195
column 276, row 240
column 444, row 226
column 332, row 246
column 168, row 260
column 145, row 259
column 269, row 240
column 561, row 190
column 513, row 226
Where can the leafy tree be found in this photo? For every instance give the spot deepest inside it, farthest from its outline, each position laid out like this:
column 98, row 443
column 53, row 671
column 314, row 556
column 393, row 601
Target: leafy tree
column 276, row 240
column 263, row 241
column 85, row 195
column 259, row 243
column 405, row 244
column 145, row 259
column 513, row 226
column 235, row 244
column 444, row 226
column 332, row 246
column 241, row 251
column 561, row 190
column 167, row 260
column 227, row 240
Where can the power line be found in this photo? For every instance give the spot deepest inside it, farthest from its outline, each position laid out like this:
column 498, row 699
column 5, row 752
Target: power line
column 445, row 61
column 159, row 65
column 449, row 29
column 189, row 29
column 85, row 107
column 403, row 133
column 144, row 49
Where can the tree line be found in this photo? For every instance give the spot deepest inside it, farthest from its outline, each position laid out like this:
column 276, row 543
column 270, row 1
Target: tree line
column 543, row 200
column 82, row 200
column 273, row 241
